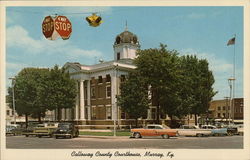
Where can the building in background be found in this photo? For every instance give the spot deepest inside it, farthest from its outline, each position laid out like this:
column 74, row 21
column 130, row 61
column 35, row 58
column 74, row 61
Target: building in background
column 219, row 110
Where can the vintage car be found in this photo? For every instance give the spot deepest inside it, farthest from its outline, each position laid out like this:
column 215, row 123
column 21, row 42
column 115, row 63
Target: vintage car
column 215, row 131
column 240, row 129
column 66, row 130
column 154, row 130
column 232, row 129
column 192, row 130
column 13, row 129
column 46, row 129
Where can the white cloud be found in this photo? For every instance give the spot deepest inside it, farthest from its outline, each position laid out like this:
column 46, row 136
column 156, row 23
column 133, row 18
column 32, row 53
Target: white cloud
column 15, row 66
column 18, row 37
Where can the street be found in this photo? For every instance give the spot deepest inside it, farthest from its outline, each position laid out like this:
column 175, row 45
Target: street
column 226, row 142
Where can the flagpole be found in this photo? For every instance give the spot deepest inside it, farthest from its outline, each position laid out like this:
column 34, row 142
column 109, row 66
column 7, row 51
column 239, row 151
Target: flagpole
column 234, row 80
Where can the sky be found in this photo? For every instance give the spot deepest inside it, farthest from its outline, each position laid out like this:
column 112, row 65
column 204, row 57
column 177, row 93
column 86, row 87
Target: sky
column 203, row 31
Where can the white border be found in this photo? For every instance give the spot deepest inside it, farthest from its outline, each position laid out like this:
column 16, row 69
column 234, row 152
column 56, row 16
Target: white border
column 192, row 154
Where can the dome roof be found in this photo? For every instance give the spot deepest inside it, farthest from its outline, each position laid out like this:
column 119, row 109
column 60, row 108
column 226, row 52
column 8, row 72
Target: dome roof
column 126, row 37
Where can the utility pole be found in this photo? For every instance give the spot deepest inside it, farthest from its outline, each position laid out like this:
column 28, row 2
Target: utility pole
column 13, row 97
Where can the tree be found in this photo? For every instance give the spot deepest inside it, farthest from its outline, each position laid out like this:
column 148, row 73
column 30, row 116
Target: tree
column 161, row 70
column 27, row 85
column 59, row 90
column 199, row 83
column 38, row 90
column 134, row 97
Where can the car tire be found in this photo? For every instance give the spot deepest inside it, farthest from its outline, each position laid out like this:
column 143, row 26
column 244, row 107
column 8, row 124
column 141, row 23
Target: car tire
column 137, row 135
column 56, row 137
column 39, row 136
column 77, row 134
column 230, row 134
column 165, row 136
column 198, row 135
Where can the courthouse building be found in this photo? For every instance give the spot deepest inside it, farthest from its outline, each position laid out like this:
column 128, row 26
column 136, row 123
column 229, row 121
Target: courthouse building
column 98, row 85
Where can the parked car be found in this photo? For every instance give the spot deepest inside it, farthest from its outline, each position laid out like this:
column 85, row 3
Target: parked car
column 154, row 130
column 46, row 129
column 30, row 129
column 66, row 130
column 240, row 129
column 192, row 130
column 215, row 131
column 232, row 130
column 13, row 129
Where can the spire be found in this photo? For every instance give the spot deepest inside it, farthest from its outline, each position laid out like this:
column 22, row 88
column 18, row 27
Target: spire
column 126, row 27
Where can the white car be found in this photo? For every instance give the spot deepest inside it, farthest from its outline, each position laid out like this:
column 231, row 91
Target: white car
column 240, row 129
column 192, row 130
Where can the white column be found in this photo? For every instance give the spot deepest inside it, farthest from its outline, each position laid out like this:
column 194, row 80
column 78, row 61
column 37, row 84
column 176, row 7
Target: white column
column 82, row 108
column 77, row 103
column 88, row 100
column 113, row 96
column 149, row 114
column 63, row 114
column 67, row 114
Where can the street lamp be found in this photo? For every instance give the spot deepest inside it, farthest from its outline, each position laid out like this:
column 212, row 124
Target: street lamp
column 230, row 81
column 13, row 96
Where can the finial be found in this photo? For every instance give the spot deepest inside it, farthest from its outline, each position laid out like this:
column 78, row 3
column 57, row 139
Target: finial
column 126, row 28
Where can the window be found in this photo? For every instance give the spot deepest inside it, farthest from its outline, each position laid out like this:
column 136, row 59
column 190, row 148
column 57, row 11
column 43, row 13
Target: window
column 108, row 91
column 123, row 115
column 108, row 78
column 158, row 127
column 123, row 78
column 219, row 108
column 151, row 127
column 241, row 109
column 108, row 112
column 93, row 112
column 224, row 108
column 224, row 114
column 8, row 112
column 218, row 114
column 118, row 56
column 92, row 92
column 100, row 79
column 92, row 81
column 99, row 93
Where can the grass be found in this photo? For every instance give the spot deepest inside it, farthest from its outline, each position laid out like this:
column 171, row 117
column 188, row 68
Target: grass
column 119, row 133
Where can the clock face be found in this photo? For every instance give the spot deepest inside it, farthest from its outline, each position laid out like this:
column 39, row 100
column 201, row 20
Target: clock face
column 118, row 40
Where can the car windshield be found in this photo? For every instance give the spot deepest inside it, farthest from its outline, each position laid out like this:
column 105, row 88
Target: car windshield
column 66, row 126
column 165, row 126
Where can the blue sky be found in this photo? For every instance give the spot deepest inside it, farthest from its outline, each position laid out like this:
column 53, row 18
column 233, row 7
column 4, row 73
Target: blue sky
column 203, row 31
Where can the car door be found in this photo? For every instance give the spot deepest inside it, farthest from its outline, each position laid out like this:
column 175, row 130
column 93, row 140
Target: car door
column 150, row 131
column 158, row 131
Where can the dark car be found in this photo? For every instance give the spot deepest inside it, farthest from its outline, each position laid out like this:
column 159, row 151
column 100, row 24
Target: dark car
column 232, row 130
column 66, row 130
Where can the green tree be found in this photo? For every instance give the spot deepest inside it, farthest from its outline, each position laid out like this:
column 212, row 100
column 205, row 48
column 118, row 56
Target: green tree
column 161, row 70
column 134, row 97
column 199, row 83
column 38, row 90
column 28, row 82
column 59, row 90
